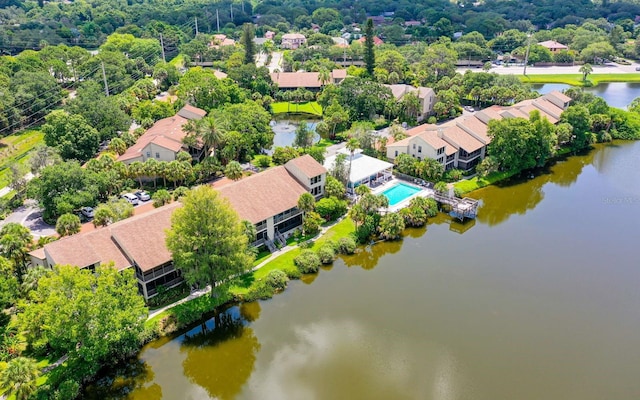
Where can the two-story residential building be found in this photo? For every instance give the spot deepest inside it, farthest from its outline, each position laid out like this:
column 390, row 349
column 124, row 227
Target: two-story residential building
column 269, row 199
column 137, row 242
column 292, row 41
column 163, row 141
column 462, row 142
column 426, row 97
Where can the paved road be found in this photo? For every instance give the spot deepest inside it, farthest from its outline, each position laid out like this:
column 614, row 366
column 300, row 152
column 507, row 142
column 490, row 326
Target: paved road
column 609, row 68
column 276, row 61
column 30, row 216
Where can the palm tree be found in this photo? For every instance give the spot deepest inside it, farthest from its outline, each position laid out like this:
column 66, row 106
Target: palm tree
column 585, row 70
column 173, row 171
column 324, row 76
column 210, row 134
column 136, row 170
column 15, row 242
column 306, row 202
column 249, row 230
column 151, row 167
column 352, row 145
column 19, row 378
column 233, row 171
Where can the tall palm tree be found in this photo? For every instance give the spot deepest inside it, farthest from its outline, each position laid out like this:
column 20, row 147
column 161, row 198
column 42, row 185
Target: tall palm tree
column 136, row 170
column 324, row 76
column 210, row 133
column 352, row 145
column 151, row 169
column 306, row 202
column 19, row 378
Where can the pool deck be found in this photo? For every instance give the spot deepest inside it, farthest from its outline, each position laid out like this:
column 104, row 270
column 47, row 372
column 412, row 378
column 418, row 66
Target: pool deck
column 424, row 192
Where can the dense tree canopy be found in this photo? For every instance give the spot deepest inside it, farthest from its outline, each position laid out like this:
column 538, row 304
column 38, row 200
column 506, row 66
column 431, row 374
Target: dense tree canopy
column 206, row 239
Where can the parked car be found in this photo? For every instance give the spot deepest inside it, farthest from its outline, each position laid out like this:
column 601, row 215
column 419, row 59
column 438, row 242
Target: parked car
column 131, row 198
column 142, row 195
column 87, row 212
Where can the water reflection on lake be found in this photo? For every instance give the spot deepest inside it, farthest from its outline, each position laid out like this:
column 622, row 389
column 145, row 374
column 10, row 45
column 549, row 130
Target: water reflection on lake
column 537, row 299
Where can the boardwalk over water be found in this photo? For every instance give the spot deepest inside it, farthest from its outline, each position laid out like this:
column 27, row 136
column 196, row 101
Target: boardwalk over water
column 460, row 208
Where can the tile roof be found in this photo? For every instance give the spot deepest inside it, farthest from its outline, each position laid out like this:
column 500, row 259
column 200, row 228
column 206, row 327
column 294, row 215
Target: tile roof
column 83, row 250
column 260, row 196
column 296, row 79
column 307, row 165
column 167, row 133
column 142, row 237
column 292, row 36
column 476, row 126
column 457, row 137
column 559, row 95
column 552, row 44
column 431, row 137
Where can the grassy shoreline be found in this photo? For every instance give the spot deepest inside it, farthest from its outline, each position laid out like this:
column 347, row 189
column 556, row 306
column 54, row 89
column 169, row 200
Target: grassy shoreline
column 311, row 107
column 576, row 79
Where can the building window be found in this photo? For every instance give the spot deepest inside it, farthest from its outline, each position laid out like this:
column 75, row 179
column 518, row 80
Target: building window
column 414, row 146
column 157, row 155
column 419, row 149
column 316, row 179
column 441, row 150
column 396, row 153
column 148, row 154
column 316, row 191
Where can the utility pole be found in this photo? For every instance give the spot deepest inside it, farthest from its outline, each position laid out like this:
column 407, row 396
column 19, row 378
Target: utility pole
column 231, row 5
column 526, row 55
column 243, row 6
column 162, row 47
column 217, row 20
column 196, row 19
column 104, row 78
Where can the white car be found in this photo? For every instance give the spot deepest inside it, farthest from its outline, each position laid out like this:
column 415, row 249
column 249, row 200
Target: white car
column 87, row 212
column 142, row 195
column 131, row 198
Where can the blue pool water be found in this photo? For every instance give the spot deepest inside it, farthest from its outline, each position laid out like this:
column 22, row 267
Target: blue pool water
column 399, row 192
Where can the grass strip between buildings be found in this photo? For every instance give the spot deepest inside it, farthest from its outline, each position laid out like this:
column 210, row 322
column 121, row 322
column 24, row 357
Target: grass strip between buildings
column 576, row 79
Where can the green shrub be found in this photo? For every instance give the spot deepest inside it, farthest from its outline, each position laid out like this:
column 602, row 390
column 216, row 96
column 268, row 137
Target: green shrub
column 307, row 262
column 326, row 253
column 180, row 191
column 277, row 279
column 262, row 161
column 346, row 245
column 331, row 208
column 293, row 273
column 161, row 197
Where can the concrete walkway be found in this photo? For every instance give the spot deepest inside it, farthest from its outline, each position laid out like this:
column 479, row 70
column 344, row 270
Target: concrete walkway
column 202, row 292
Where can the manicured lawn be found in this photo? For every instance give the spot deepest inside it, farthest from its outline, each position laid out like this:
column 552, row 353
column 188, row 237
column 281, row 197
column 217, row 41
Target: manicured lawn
column 469, row 185
column 14, row 149
column 576, row 79
column 311, row 107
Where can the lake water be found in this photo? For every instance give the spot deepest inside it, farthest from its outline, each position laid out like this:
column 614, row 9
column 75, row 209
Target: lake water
column 536, row 299
column 616, row 94
column 285, row 131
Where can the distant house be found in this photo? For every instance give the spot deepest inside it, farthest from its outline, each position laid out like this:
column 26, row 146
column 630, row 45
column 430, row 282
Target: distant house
column 426, row 96
column 462, row 142
column 292, row 40
column 306, row 80
column 340, row 42
column 376, row 40
column 269, row 199
column 163, row 141
column 137, row 242
column 553, row 46
column 412, row 23
column 269, row 35
column 220, row 40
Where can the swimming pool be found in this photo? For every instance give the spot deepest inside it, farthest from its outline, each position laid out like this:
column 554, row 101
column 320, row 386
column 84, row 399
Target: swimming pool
column 400, row 192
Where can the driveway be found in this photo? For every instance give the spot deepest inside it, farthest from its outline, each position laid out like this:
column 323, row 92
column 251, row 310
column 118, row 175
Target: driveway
column 30, row 216
column 276, row 60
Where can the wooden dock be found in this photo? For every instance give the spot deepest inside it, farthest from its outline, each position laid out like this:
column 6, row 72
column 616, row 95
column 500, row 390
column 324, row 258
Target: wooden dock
column 460, row 208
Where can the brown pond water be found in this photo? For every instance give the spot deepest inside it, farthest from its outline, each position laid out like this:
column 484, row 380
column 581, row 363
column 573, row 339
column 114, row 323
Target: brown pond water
column 537, row 299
